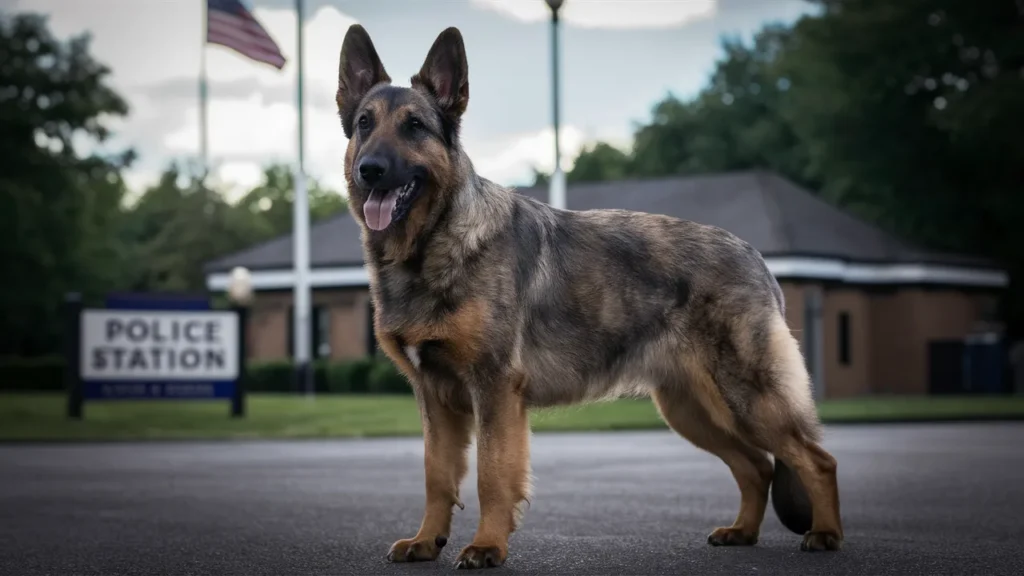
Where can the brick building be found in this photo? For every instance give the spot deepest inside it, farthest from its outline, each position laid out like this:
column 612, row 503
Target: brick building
column 873, row 313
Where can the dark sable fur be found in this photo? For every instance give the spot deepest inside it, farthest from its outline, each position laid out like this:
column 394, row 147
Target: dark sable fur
column 491, row 303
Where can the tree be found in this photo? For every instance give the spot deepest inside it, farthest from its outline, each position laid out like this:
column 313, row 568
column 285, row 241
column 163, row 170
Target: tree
column 271, row 202
column 599, row 162
column 179, row 224
column 59, row 206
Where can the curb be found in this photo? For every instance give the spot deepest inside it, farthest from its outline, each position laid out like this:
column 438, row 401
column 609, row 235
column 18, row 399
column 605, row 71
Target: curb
column 5, row 442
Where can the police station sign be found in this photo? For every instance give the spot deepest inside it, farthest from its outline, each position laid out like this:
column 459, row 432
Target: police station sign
column 159, row 345
column 159, row 353
column 153, row 346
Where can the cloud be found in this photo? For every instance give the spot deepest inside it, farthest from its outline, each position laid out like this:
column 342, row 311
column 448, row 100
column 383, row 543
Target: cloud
column 607, row 14
column 509, row 160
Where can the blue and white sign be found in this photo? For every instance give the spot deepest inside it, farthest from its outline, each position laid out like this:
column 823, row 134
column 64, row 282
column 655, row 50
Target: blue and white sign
column 159, row 353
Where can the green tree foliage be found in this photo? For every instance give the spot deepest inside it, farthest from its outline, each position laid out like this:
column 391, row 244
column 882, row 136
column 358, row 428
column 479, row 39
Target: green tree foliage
column 912, row 114
column 599, row 162
column 272, row 201
column 59, row 208
column 175, row 227
column 179, row 224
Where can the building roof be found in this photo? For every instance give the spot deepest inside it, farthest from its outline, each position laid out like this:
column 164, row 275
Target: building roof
column 774, row 215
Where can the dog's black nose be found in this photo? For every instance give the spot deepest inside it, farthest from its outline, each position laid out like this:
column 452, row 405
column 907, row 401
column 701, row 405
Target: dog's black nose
column 372, row 169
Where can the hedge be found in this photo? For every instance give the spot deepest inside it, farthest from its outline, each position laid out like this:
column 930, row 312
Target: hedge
column 369, row 375
column 41, row 374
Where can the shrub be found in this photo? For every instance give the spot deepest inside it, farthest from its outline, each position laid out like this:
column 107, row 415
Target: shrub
column 386, row 379
column 350, row 376
column 273, row 376
column 39, row 374
column 368, row 375
column 279, row 376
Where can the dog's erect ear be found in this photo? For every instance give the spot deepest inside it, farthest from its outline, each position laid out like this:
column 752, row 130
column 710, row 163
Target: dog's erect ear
column 445, row 74
column 360, row 69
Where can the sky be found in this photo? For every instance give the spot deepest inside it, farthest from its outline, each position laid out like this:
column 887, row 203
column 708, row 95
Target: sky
column 618, row 58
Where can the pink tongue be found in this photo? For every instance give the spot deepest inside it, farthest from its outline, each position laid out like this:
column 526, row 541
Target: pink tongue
column 378, row 208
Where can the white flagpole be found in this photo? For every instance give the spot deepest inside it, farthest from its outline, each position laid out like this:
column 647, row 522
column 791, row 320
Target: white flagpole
column 203, row 145
column 300, row 237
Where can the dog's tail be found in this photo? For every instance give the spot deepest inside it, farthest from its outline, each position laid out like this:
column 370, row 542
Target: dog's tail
column 790, row 500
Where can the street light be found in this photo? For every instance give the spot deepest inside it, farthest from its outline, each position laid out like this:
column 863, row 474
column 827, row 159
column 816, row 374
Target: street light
column 240, row 286
column 556, row 191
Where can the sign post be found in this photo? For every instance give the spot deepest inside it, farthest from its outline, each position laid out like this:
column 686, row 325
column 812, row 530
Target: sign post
column 72, row 352
column 238, row 397
column 155, row 352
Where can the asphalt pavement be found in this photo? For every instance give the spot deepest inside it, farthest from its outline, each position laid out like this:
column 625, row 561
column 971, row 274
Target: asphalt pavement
column 916, row 499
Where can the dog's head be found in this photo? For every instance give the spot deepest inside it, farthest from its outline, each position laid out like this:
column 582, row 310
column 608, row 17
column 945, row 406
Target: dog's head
column 403, row 144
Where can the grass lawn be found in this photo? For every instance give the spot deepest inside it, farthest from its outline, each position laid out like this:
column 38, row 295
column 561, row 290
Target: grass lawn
column 42, row 416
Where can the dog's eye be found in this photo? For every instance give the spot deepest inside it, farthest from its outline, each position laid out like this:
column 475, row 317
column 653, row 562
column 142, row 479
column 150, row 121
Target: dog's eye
column 415, row 124
column 364, row 121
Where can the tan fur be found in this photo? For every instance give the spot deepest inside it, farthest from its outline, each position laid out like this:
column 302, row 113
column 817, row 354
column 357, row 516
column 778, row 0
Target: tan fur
column 462, row 331
column 705, row 395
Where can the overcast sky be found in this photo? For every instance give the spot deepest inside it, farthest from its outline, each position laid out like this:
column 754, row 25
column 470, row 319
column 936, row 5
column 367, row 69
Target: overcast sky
column 618, row 59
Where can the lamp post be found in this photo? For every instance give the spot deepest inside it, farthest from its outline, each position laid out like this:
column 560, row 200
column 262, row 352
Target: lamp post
column 556, row 191
column 240, row 293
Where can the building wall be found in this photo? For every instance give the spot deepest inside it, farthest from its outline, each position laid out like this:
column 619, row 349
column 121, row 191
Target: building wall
column 268, row 326
column 907, row 321
column 349, row 321
column 848, row 375
column 347, row 313
column 888, row 332
column 894, row 342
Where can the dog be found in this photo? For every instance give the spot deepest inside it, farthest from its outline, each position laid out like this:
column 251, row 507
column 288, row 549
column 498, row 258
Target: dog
column 493, row 304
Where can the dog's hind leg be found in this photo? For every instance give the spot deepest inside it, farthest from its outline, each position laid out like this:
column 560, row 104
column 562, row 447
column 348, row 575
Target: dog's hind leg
column 683, row 410
column 781, row 418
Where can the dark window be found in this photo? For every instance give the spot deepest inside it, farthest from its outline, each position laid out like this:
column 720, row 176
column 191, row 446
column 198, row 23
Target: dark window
column 844, row 338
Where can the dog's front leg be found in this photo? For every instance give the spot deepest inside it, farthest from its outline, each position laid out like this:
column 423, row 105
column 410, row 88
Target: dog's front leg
column 446, row 438
column 503, row 473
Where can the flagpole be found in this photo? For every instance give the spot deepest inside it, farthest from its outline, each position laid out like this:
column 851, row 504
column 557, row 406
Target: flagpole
column 203, row 145
column 300, row 244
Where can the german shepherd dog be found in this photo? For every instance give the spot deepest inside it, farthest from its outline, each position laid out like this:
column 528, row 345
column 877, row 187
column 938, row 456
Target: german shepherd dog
column 492, row 303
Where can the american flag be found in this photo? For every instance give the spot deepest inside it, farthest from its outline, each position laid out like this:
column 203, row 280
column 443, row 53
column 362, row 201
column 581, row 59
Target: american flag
column 229, row 23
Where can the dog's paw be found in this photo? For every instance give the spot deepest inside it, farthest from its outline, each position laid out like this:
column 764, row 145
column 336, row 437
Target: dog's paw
column 473, row 556
column 731, row 537
column 821, row 541
column 412, row 550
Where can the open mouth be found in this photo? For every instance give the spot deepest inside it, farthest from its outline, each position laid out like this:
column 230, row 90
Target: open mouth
column 382, row 206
